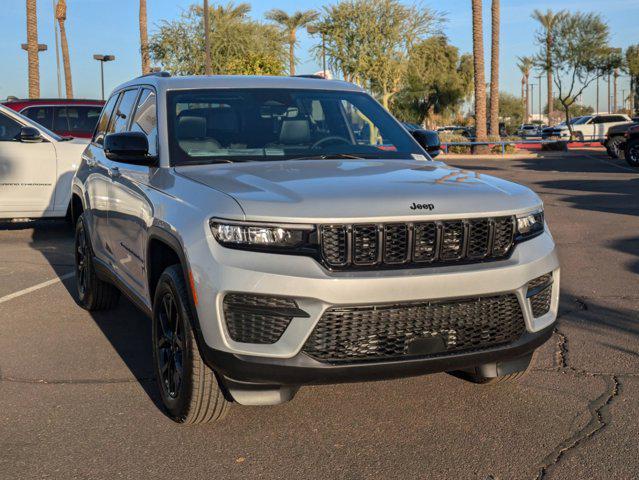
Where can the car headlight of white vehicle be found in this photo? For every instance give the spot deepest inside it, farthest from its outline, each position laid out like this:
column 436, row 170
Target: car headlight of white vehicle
column 530, row 224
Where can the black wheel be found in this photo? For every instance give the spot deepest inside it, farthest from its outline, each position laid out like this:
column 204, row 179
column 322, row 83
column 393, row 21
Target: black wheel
column 579, row 137
column 632, row 153
column 614, row 147
column 93, row 293
column 189, row 389
column 480, row 379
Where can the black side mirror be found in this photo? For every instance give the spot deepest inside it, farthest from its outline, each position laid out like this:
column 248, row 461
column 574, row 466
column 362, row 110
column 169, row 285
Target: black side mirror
column 128, row 147
column 30, row 135
column 429, row 141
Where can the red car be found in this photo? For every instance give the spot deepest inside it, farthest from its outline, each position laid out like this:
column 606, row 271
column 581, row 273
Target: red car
column 75, row 118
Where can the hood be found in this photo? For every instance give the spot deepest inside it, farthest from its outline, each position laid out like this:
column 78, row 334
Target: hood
column 318, row 191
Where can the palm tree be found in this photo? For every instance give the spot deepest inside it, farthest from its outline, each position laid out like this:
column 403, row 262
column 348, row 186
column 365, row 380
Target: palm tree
column 61, row 16
column 494, row 71
column 144, row 39
column 480, row 76
column 548, row 22
column 290, row 24
column 32, row 49
column 525, row 65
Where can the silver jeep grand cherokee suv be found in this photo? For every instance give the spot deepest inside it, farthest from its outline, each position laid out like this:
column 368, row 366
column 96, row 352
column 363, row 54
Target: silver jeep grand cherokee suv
column 289, row 231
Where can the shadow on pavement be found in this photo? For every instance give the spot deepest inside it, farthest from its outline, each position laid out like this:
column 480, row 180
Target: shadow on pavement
column 126, row 328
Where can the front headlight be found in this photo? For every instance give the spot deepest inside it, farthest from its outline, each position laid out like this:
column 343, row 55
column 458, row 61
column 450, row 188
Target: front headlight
column 259, row 236
column 530, row 224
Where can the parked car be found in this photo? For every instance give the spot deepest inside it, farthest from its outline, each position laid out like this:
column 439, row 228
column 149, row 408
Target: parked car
column 528, row 130
column 429, row 139
column 586, row 128
column 66, row 117
column 36, row 167
column 631, row 146
column 615, row 140
column 274, row 246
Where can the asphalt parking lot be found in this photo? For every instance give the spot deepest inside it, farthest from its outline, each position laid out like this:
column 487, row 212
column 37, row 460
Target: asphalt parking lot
column 77, row 398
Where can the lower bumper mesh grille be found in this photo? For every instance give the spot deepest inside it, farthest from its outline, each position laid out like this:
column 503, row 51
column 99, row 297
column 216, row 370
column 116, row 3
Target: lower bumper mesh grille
column 355, row 334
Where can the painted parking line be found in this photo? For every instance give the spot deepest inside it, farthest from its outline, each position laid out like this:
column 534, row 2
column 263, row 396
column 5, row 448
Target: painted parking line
column 26, row 291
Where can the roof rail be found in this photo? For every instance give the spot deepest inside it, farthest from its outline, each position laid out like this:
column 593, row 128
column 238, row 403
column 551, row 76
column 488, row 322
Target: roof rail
column 309, row 76
column 156, row 74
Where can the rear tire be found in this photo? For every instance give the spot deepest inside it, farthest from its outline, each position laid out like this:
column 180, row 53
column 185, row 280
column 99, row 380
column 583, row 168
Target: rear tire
column 93, row 293
column 481, row 380
column 189, row 389
column 632, row 153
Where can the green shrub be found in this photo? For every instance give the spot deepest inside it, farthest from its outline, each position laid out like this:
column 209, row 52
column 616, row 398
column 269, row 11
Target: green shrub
column 452, row 138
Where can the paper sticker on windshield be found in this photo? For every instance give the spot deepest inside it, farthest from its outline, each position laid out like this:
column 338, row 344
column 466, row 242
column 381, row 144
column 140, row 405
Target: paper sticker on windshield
column 418, row 156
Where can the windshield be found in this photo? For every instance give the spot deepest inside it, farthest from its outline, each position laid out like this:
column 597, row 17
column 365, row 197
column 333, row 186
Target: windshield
column 40, row 127
column 279, row 124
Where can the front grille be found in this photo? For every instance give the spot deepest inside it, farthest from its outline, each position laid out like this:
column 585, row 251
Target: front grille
column 391, row 245
column 355, row 334
column 258, row 318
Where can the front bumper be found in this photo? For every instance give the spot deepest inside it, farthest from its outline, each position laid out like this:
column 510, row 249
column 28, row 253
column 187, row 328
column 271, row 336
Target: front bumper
column 245, row 370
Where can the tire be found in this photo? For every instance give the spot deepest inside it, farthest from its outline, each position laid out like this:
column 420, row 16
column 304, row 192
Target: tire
column 93, row 293
column 189, row 390
column 579, row 137
column 613, row 147
column 632, row 153
column 475, row 377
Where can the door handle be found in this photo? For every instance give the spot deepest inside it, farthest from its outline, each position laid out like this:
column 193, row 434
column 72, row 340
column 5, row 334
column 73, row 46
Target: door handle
column 114, row 172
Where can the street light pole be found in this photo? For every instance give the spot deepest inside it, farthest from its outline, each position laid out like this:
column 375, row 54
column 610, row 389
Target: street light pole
column 102, row 59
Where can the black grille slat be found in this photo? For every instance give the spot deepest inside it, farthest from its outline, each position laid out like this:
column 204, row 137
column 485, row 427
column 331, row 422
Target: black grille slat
column 396, row 248
column 365, row 244
column 356, row 334
column 504, row 231
column 425, row 242
column 452, row 245
column 395, row 245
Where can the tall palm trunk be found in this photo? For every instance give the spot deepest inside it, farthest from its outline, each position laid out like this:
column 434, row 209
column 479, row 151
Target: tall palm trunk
column 615, row 105
column 144, row 39
column 494, row 71
column 32, row 49
column 549, row 83
column 61, row 15
column 292, row 39
column 524, row 97
column 480, row 76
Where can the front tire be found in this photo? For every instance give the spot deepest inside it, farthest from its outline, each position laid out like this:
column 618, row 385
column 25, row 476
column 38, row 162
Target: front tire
column 189, row 389
column 93, row 293
column 579, row 137
column 613, row 147
column 632, row 153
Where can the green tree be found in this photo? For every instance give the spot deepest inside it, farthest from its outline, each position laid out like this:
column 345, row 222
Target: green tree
column 511, row 111
column 438, row 81
column 525, row 65
column 236, row 43
column 581, row 54
column 368, row 41
column 290, row 24
column 631, row 65
column 545, row 38
column 576, row 110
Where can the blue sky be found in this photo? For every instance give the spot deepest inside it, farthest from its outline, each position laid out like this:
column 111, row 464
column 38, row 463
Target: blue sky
column 111, row 26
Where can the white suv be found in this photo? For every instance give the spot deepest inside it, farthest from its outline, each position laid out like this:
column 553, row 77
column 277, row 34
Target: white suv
column 36, row 167
column 289, row 231
column 586, row 128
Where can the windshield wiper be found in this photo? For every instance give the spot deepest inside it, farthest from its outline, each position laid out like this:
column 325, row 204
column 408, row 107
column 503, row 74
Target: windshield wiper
column 329, row 156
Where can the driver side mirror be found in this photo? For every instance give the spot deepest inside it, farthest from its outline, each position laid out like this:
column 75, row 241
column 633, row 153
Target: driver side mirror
column 128, row 147
column 30, row 135
column 429, row 141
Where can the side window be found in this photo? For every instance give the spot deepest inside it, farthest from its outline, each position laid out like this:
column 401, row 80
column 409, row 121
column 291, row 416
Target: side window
column 598, row 120
column 103, row 123
column 123, row 112
column 42, row 115
column 82, row 119
column 146, row 119
column 60, row 119
column 618, row 118
column 9, row 128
